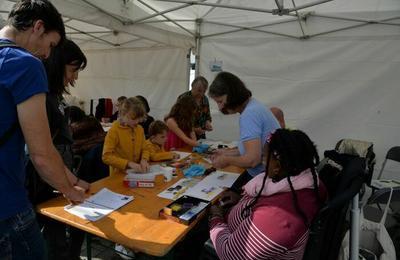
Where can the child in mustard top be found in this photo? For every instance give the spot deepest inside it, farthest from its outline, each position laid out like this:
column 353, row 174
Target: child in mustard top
column 124, row 145
column 155, row 144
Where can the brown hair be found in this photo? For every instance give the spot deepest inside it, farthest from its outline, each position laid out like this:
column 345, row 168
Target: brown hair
column 157, row 127
column 183, row 112
column 225, row 83
column 132, row 106
column 122, row 98
column 24, row 13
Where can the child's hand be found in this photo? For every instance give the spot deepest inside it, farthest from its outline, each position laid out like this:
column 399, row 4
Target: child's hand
column 144, row 165
column 199, row 131
column 175, row 156
column 135, row 166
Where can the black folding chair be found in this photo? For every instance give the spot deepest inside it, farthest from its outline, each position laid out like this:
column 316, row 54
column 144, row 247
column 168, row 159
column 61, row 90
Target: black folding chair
column 378, row 184
column 329, row 226
column 394, row 155
column 381, row 196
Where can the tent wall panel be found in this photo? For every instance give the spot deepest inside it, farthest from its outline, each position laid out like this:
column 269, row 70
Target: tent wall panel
column 158, row 74
column 331, row 89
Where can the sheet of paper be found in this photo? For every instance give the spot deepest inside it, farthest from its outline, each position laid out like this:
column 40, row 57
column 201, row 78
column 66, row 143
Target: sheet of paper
column 178, row 189
column 206, row 189
column 109, row 199
column 182, row 154
column 99, row 205
column 154, row 169
column 212, row 185
column 150, row 176
column 106, row 128
column 221, row 179
column 89, row 211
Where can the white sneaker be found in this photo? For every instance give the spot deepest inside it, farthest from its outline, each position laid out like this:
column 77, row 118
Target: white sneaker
column 124, row 252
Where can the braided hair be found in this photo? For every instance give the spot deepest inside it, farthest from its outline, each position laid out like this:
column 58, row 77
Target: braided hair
column 296, row 153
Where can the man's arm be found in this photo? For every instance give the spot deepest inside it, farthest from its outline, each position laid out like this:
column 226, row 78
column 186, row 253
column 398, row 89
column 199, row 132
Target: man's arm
column 47, row 161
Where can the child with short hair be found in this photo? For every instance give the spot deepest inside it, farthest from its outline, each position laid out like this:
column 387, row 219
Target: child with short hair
column 124, row 145
column 155, row 144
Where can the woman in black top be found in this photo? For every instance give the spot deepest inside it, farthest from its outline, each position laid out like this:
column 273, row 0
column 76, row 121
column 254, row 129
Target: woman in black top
column 62, row 68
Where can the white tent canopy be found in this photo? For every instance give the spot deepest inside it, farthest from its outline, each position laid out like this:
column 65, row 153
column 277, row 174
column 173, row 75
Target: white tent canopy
column 332, row 66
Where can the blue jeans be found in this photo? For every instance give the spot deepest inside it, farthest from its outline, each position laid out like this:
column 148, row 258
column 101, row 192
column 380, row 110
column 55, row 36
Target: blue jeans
column 20, row 238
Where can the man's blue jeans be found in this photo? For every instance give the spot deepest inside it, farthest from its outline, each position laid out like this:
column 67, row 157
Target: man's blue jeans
column 20, row 238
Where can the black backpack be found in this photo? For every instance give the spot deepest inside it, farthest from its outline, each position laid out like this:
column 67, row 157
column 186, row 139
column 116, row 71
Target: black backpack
column 38, row 190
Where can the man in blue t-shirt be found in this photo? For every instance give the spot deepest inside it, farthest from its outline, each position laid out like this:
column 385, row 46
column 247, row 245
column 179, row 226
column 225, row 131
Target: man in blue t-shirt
column 33, row 28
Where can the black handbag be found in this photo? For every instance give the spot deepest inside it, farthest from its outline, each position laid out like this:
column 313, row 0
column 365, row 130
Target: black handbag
column 38, row 190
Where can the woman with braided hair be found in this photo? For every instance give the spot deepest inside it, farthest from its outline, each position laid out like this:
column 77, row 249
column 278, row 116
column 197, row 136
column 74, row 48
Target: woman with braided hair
column 272, row 218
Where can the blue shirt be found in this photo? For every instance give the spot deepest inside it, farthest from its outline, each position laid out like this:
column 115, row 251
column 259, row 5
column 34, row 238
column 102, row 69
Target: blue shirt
column 256, row 122
column 21, row 77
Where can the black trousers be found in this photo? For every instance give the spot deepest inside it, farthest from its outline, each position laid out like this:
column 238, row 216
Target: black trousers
column 59, row 245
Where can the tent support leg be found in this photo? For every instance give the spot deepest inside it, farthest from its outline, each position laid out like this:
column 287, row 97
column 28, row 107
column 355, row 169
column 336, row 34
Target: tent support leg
column 355, row 228
column 198, row 42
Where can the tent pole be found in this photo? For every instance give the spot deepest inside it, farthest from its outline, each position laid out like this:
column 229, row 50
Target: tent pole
column 163, row 21
column 299, row 19
column 188, row 68
column 166, row 17
column 212, row 9
column 103, row 11
column 252, row 28
column 94, row 37
column 352, row 26
column 355, row 228
column 198, row 42
column 308, row 5
column 261, row 10
column 339, row 29
column 380, row 21
column 92, row 32
column 159, row 13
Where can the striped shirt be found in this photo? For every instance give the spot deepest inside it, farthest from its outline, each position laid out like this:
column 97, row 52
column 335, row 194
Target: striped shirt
column 272, row 229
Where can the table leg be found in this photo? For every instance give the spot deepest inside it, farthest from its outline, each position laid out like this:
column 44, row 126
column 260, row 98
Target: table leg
column 89, row 246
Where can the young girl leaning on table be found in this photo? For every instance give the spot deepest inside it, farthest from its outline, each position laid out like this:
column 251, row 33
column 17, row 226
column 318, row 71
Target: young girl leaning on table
column 180, row 124
column 124, row 145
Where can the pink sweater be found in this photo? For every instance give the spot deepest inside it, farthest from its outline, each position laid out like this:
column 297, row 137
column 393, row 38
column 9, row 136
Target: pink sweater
column 273, row 228
column 173, row 142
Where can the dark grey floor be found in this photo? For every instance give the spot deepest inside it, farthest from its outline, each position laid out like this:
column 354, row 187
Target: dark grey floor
column 101, row 250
